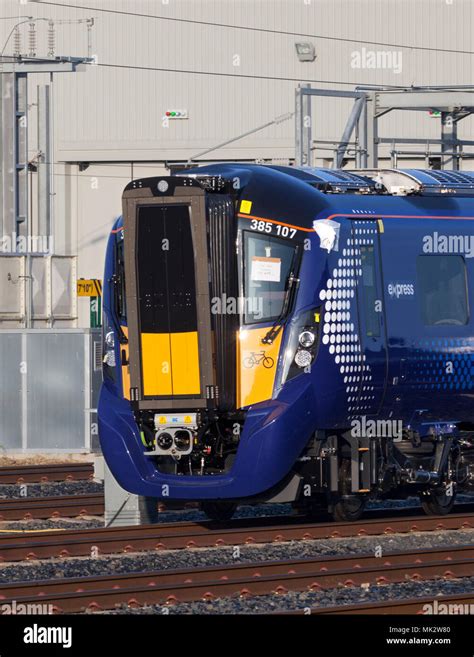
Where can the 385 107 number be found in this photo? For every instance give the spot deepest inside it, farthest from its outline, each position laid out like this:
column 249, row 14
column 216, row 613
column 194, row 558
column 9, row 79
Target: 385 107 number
column 268, row 227
column 261, row 226
column 285, row 231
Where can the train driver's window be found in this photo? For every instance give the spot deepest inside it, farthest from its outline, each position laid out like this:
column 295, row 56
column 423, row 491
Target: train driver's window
column 268, row 261
column 369, row 285
column 120, row 289
column 442, row 289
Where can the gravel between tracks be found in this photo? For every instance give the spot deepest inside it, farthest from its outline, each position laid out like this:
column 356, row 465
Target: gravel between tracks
column 200, row 557
column 195, row 558
column 303, row 600
column 141, row 562
column 20, row 526
column 50, row 489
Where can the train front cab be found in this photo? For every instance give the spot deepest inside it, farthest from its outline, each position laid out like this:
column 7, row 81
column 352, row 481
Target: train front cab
column 209, row 401
column 194, row 418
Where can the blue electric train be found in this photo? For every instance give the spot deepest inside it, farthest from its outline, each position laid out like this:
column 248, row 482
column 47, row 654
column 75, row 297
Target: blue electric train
column 285, row 334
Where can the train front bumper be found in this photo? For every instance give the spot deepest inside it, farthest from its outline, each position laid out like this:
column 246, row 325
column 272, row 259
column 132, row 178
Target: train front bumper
column 274, row 434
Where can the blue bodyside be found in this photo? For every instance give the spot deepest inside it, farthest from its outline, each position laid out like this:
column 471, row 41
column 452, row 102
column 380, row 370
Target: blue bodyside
column 400, row 375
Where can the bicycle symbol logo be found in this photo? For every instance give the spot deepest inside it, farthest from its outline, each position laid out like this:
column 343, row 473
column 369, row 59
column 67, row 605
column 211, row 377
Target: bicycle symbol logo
column 256, row 358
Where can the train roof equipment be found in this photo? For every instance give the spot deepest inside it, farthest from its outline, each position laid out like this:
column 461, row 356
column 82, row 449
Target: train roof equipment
column 393, row 182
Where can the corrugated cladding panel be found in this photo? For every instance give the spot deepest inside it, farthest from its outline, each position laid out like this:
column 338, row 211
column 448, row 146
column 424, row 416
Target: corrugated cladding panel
column 116, row 113
column 55, row 417
column 10, row 391
column 49, row 383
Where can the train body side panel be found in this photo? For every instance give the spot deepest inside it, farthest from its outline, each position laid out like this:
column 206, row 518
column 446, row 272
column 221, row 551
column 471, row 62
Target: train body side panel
column 431, row 364
column 385, row 348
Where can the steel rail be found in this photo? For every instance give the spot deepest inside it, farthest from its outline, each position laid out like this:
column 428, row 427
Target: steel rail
column 181, row 535
column 243, row 580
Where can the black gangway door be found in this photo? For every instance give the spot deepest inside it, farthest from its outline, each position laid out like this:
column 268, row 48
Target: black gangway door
column 166, row 257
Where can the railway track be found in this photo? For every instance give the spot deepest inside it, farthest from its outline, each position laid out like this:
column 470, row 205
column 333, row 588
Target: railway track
column 181, row 535
column 40, row 508
column 23, row 474
column 243, row 580
column 407, row 606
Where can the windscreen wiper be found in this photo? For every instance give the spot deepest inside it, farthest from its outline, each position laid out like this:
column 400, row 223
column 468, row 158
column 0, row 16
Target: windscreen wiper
column 273, row 332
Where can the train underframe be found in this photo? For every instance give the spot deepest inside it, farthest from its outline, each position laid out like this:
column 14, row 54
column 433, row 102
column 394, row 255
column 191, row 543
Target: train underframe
column 336, row 473
column 344, row 472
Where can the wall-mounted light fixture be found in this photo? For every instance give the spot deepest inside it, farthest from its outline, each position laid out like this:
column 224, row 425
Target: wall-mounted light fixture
column 306, row 51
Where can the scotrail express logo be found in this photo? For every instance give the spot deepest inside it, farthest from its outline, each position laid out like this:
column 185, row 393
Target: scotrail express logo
column 398, row 290
column 458, row 244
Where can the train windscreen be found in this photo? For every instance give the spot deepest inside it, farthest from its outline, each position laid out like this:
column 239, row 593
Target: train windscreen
column 267, row 265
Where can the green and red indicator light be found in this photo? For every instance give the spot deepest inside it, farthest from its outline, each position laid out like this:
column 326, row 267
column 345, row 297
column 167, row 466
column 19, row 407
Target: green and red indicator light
column 176, row 114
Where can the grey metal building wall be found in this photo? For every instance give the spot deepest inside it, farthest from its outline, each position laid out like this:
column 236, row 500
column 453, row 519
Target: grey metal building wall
column 49, row 384
column 114, row 110
column 232, row 64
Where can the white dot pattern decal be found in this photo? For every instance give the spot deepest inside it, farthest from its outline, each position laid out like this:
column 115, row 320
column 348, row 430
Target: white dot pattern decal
column 338, row 329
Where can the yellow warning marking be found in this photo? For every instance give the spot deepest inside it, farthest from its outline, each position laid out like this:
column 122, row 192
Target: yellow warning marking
column 187, row 419
column 162, row 419
column 246, row 206
column 380, row 223
column 89, row 288
column 317, row 317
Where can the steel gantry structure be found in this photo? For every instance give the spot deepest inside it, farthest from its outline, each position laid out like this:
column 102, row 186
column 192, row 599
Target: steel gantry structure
column 14, row 72
column 370, row 104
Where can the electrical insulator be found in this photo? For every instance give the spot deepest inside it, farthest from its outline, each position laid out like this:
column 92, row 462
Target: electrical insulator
column 51, row 38
column 32, row 39
column 17, row 42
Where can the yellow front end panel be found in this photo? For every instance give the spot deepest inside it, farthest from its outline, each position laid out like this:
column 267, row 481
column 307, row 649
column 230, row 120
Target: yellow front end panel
column 124, row 351
column 170, row 364
column 256, row 366
column 185, row 363
column 156, row 364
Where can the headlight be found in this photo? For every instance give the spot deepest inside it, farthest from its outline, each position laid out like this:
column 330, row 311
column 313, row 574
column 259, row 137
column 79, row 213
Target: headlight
column 301, row 345
column 303, row 358
column 108, row 348
column 306, row 339
column 109, row 357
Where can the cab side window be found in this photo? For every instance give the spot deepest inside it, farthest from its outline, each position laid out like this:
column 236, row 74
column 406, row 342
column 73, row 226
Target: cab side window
column 120, row 289
column 442, row 290
column 372, row 317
